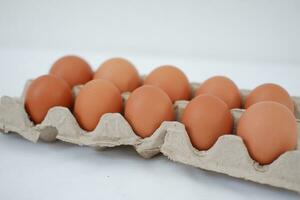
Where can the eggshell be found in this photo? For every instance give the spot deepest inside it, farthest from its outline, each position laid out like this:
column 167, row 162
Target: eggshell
column 44, row 93
column 206, row 118
column 269, row 92
column 120, row 72
column 172, row 80
column 96, row 98
column 73, row 69
column 223, row 88
column 268, row 129
column 146, row 108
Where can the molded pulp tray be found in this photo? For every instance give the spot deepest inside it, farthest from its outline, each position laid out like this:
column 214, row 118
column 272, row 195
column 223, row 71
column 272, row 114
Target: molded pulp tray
column 228, row 155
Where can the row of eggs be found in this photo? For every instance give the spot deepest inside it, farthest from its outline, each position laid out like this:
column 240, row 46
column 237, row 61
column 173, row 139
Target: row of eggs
column 268, row 127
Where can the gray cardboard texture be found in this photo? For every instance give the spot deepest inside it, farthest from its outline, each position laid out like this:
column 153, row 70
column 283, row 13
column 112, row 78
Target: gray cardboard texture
column 228, row 155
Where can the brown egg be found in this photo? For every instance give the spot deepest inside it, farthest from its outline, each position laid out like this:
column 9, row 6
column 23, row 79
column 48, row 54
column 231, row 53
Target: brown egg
column 73, row 69
column 96, row 98
column 120, row 72
column 44, row 93
column 222, row 87
column 206, row 118
column 172, row 80
column 268, row 129
column 146, row 108
column 269, row 92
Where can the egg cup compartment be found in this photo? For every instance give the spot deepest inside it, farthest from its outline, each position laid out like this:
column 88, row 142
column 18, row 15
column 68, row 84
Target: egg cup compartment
column 228, row 155
column 59, row 123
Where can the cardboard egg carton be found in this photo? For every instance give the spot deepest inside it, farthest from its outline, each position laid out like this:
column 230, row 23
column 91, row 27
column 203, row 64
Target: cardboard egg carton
column 228, row 155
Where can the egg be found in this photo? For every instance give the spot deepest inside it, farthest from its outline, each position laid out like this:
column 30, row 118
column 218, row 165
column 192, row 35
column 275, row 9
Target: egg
column 268, row 129
column 72, row 69
column 120, row 72
column 44, row 93
column 269, row 92
column 223, row 88
column 96, row 98
column 206, row 118
column 146, row 108
column 172, row 80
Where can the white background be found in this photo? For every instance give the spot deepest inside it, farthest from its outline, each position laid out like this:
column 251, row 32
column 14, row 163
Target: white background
column 259, row 30
column 252, row 42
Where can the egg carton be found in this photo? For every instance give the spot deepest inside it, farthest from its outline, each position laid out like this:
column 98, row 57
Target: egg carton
column 228, row 155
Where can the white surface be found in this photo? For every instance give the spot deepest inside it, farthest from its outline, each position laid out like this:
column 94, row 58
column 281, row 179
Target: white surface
column 63, row 171
column 256, row 30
